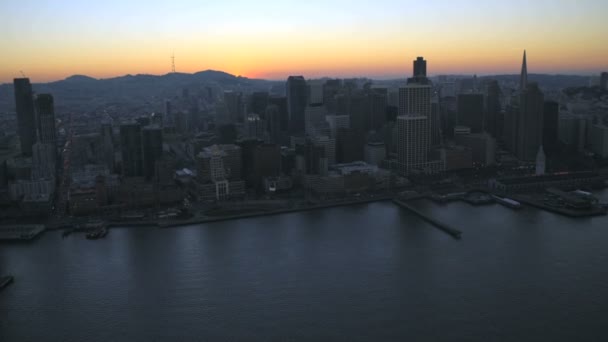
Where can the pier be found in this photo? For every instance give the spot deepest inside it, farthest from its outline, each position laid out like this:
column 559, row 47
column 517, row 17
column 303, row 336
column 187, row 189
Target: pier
column 5, row 281
column 455, row 233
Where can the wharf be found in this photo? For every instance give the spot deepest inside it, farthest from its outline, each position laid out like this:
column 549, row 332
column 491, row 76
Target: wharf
column 594, row 211
column 5, row 281
column 455, row 233
column 21, row 232
column 202, row 220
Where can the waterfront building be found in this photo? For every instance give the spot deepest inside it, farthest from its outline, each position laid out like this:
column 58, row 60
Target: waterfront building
column 131, row 150
column 297, row 93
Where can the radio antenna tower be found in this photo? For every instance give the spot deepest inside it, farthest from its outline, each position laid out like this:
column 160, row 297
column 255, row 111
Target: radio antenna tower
column 173, row 63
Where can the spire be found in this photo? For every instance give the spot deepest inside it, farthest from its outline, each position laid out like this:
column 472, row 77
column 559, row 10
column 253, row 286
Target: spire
column 523, row 81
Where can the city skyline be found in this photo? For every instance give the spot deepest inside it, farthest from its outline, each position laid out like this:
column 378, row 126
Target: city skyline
column 273, row 41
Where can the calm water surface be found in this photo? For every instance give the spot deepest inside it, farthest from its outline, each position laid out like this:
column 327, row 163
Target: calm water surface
column 362, row 273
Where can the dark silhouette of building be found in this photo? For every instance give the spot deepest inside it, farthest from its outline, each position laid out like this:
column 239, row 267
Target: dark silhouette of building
column 530, row 122
column 267, row 162
column 45, row 119
column 24, row 103
column 227, row 133
column 258, row 101
column 297, row 93
column 130, row 146
column 234, row 105
column 419, row 67
column 470, row 111
column 523, row 80
column 273, row 123
column 152, row 146
column 349, row 146
column 550, row 127
column 378, row 103
column 604, row 80
column 281, row 103
column 493, row 109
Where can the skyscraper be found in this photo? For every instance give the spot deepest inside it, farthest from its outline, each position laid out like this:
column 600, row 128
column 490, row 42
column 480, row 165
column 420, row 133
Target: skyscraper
column 604, row 80
column 470, row 111
column 530, row 122
column 412, row 142
column 492, row 109
column 24, row 103
column 297, row 93
column 419, row 67
column 130, row 146
column 45, row 119
column 523, row 80
column 152, row 147
column 550, row 127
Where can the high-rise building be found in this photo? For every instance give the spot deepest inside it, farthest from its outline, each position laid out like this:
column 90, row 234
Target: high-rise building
column 378, row 103
column 314, row 115
column 349, row 146
column 492, row 109
column 43, row 160
column 337, row 122
column 24, row 103
column 415, row 99
column 152, row 147
column 523, row 80
column 470, row 111
column 130, row 147
column 315, row 92
column 419, row 67
column 234, row 106
column 258, row 101
column 604, row 80
column 266, row 162
column 297, row 93
column 273, row 123
column 412, row 144
column 107, row 137
column 530, row 122
column 169, row 119
column 550, row 127
column 329, row 145
column 45, row 119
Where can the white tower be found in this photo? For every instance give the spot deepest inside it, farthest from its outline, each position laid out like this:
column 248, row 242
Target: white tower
column 540, row 161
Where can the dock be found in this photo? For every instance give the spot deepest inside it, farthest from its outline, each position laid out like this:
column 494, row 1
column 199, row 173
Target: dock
column 21, row 232
column 5, row 281
column 455, row 233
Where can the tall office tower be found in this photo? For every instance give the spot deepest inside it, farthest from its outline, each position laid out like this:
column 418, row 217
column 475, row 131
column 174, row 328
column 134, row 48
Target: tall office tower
column 258, row 101
column 107, row 141
column 168, row 115
column 360, row 112
column 281, row 103
column 45, row 119
column 273, row 123
column 232, row 161
column 315, row 92
column 314, row 115
column 470, row 111
column 419, row 67
column 349, row 146
column 604, row 80
column 255, row 127
column 234, row 105
column 412, row 142
column 266, row 162
column 24, row 103
column 337, row 122
column 492, row 109
column 378, row 103
column 152, row 147
column 43, row 160
column 415, row 99
column 314, row 157
column 130, row 147
column 550, row 127
column 523, row 80
column 297, row 92
column 530, row 122
column 329, row 145
column 331, row 88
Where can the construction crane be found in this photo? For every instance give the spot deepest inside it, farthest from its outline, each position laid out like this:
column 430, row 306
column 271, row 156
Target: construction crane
column 22, row 74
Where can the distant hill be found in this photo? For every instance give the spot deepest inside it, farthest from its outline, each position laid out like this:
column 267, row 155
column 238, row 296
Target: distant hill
column 79, row 88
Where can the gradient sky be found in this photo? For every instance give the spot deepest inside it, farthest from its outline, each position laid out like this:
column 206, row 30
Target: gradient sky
column 52, row 39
